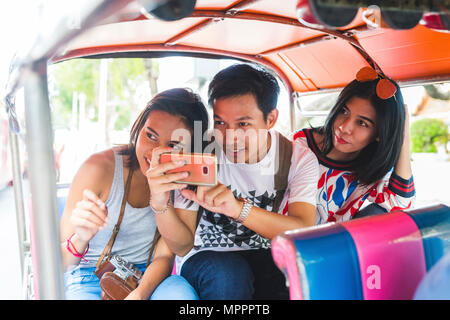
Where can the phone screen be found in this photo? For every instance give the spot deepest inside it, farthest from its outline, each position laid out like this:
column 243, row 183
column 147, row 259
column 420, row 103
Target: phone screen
column 202, row 168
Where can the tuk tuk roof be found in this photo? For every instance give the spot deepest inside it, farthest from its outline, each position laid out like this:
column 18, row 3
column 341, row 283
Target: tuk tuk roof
column 268, row 32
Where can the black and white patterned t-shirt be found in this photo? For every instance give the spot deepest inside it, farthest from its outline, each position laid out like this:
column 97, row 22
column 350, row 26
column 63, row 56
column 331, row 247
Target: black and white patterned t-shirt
column 254, row 182
column 217, row 230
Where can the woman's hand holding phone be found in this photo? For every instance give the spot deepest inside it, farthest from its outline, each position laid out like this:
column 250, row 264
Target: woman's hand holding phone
column 160, row 182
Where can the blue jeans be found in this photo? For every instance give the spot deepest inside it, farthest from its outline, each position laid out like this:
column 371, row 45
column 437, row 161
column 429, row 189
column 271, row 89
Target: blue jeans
column 235, row 275
column 83, row 284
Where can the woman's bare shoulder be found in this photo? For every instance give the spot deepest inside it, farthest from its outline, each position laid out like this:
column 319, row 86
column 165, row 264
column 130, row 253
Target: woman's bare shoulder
column 97, row 170
column 102, row 161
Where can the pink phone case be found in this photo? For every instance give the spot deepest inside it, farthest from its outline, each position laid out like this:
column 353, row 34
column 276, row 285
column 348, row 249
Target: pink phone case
column 202, row 167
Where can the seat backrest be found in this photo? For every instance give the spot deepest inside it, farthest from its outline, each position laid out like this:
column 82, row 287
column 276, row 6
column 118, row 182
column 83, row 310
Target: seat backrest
column 379, row 257
column 328, row 264
column 391, row 255
column 434, row 226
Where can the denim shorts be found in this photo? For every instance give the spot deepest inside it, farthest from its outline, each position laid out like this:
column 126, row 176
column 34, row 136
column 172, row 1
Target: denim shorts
column 83, row 284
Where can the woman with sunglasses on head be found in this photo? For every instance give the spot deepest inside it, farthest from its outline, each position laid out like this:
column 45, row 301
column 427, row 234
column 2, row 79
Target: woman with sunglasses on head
column 98, row 198
column 363, row 150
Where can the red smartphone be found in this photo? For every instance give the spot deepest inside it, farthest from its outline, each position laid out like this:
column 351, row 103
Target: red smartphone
column 202, row 167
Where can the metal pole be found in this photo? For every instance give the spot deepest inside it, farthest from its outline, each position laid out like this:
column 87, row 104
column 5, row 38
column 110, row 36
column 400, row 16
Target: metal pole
column 18, row 197
column 292, row 118
column 44, row 221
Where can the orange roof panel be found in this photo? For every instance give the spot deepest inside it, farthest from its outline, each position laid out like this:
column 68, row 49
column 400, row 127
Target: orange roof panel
column 267, row 31
column 215, row 4
column 284, row 8
column 327, row 64
column 409, row 54
column 132, row 32
column 249, row 37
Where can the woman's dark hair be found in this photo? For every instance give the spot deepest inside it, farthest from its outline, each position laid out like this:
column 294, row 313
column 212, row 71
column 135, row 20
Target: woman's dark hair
column 240, row 79
column 376, row 159
column 179, row 102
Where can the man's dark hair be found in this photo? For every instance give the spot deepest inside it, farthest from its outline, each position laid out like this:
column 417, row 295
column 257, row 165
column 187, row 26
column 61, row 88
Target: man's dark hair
column 241, row 79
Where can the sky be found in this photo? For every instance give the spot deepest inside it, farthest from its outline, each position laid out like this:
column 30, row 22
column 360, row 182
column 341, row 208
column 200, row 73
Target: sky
column 16, row 17
column 11, row 31
column 20, row 21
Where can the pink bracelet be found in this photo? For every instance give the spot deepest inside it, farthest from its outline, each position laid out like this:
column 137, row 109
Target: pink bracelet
column 75, row 252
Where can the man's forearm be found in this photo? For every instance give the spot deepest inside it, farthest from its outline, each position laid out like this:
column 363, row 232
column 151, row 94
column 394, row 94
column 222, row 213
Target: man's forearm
column 270, row 224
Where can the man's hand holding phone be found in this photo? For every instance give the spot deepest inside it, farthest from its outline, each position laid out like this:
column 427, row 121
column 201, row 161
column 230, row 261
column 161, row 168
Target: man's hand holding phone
column 218, row 199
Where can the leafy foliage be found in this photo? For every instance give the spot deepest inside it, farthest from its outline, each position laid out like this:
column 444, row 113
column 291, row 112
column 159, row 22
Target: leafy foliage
column 126, row 77
column 78, row 75
column 426, row 133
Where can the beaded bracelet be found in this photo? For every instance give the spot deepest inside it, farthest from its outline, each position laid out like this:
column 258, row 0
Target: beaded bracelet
column 159, row 211
column 76, row 253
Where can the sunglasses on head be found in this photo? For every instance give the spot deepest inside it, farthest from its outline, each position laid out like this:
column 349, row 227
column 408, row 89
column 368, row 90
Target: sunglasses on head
column 385, row 88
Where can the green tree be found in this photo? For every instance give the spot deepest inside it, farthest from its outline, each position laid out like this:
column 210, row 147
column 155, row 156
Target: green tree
column 78, row 75
column 426, row 133
column 125, row 76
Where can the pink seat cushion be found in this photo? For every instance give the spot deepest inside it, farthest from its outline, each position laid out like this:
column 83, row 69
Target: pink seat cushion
column 391, row 255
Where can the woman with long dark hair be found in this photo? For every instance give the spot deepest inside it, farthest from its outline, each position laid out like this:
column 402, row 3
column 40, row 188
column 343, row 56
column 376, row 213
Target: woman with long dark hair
column 97, row 200
column 363, row 149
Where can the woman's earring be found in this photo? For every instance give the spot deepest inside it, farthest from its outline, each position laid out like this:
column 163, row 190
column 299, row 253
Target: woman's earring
column 377, row 139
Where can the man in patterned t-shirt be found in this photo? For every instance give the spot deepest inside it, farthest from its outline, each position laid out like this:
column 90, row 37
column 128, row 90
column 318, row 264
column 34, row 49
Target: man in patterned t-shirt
column 230, row 256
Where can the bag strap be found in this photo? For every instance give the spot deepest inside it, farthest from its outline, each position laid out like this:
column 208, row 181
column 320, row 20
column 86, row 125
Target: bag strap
column 152, row 248
column 283, row 161
column 108, row 248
